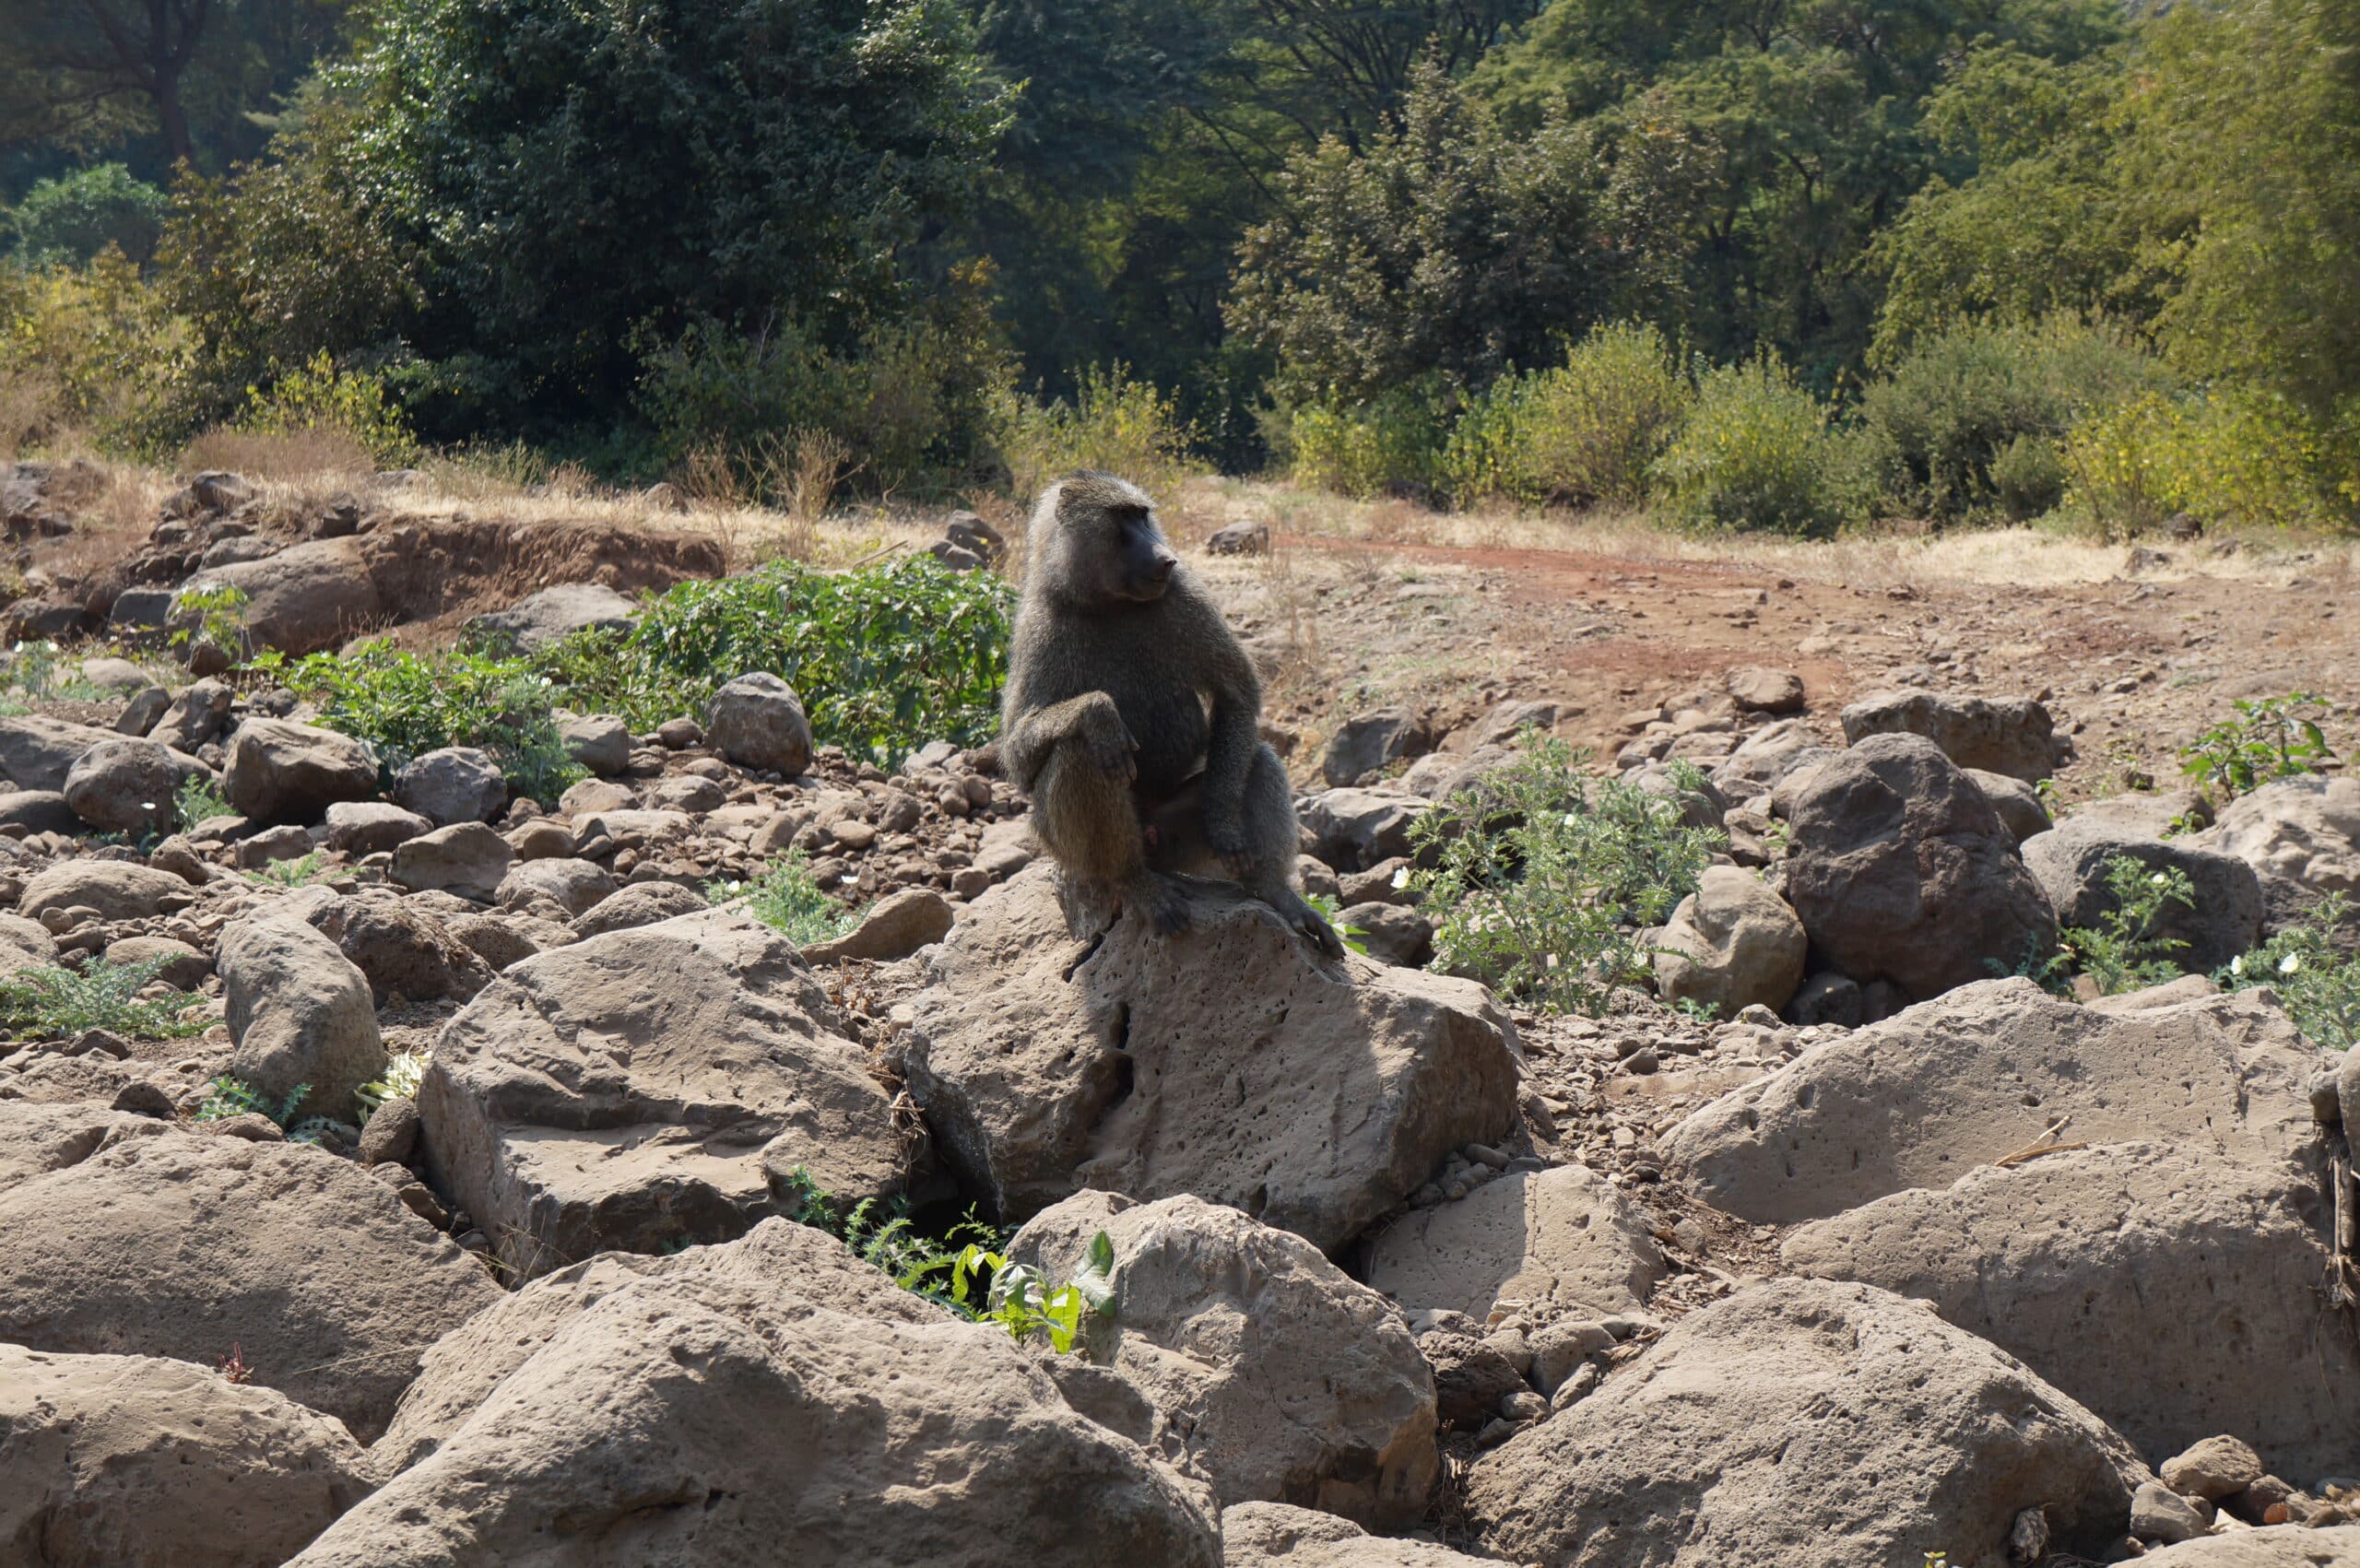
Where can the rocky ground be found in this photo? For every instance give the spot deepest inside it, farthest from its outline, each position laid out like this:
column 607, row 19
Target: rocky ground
column 1897, row 1263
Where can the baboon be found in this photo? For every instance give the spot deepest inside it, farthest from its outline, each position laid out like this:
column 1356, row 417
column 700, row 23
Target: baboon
column 1130, row 715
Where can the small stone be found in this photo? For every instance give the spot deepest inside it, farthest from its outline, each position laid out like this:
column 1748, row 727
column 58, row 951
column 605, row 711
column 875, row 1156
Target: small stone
column 1523, row 1405
column 1578, row 1383
column 679, row 734
column 2212, row 1469
column 2159, row 1513
column 144, row 1099
column 1643, row 1060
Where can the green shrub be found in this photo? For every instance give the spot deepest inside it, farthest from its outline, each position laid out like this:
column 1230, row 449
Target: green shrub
column 1583, row 434
column 1755, row 454
column 72, row 217
column 788, row 898
column 2272, row 737
column 1543, row 877
column 2028, row 477
column 405, row 704
column 111, row 352
column 198, row 798
column 1389, row 442
column 317, row 395
column 1115, row 422
column 1962, row 398
column 2124, row 951
column 2231, row 456
column 56, row 1003
column 227, row 1097
column 884, row 658
column 2313, row 968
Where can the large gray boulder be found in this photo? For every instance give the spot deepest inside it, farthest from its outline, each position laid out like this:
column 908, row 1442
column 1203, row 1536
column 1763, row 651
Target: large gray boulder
column 1924, row 1097
column 772, row 1399
column 1229, row 1061
column 118, row 890
column 1731, row 945
column 2013, row 735
column 127, row 786
column 1351, row 829
column 1325, row 1403
column 556, row 613
column 36, row 753
column 451, row 784
column 299, row 1013
column 2279, row 1546
column 357, row 828
column 304, row 599
column 2071, row 864
column 1804, row 1424
column 2148, row 1282
column 468, row 860
column 197, row 716
column 1563, row 1241
column 398, row 948
column 280, row 771
column 757, row 720
column 2300, row 835
column 643, row 1089
column 1901, row 871
column 136, row 1238
column 138, row 1462
column 1369, row 742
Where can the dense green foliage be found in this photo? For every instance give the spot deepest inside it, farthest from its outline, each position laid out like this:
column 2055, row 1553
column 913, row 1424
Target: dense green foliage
column 789, row 900
column 56, row 1003
column 2312, row 966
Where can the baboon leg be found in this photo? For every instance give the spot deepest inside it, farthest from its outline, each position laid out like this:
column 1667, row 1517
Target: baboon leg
column 1087, row 818
column 1271, row 837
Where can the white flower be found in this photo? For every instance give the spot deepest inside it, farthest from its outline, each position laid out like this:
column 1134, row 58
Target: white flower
column 2238, row 964
column 1573, row 819
column 2290, row 964
column 1552, row 960
column 1401, row 877
column 2156, row 881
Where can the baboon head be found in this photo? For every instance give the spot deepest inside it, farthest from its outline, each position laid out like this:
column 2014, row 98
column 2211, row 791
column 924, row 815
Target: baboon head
column 1095, row 542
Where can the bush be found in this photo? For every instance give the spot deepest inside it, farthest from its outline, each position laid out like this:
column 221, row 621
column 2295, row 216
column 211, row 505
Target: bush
column 2230, row 456
column 108, row 348
column 72, row 218
column 56, row 1003
column 1391, row 442
column 788, row 898
column 1756, row 455
column 2312, row 967
column 319, row 397
column 2272, row 737
column 884, row 658
column 1586, row 432
column 1543, row 877
column 1114, row 422
column 1964, row 399
column 405, row 704
column 2124, row 951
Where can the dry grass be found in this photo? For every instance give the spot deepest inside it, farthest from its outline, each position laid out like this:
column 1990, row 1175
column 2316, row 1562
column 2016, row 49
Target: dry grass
column 306, row 457
column 30, row 410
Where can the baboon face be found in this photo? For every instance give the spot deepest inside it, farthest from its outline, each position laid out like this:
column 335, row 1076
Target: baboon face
column 1107, row 546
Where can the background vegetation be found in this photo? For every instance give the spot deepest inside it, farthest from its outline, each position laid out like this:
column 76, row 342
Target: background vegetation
column 1797, row 265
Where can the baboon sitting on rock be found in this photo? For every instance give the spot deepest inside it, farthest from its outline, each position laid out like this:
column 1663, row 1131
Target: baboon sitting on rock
column 1131, row 717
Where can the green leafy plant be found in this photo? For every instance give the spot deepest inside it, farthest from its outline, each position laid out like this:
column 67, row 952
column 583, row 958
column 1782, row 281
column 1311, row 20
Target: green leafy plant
column 227, row 1097
column 404, row 1072
column 1115, row 422
column 1755, row 454
column 788, row 898
column 214, row 613
column 1544, row 877
column 56, row 1003
column 320, row 395
column 1021, row 1299
column 198, row 798
column 2125, row 951
column 2272, row 737
column 2313, row 967
column 293, row 873
column 885, row 657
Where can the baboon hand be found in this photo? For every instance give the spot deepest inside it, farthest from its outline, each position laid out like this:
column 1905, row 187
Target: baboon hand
column 1112, row 750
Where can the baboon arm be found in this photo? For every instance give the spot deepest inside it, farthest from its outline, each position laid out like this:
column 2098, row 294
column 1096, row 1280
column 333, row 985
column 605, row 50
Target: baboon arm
column 1026, row 740
column 1230, row 746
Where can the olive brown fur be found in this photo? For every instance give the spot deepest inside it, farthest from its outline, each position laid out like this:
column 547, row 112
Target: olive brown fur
column 1132, row 716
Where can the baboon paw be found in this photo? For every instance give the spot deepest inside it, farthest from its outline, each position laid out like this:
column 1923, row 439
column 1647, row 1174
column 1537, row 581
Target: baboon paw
column 1320, row 934
column 1116, row 758
column 1167, row 907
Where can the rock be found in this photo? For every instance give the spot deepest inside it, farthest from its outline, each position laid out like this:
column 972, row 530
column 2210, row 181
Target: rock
column 542, row 839
column 2282, row 1546
column 2215, row 1468
column 467, row 859
column 1239, row 538
column 1228, row 1062
column 503, row 939
column 307, row 598
column 679, row 734
column 2013, row 736
column 1353, row 829
column 1391, row 934
column 197, row 715
column 1759, row 691
column 554, row 614
column 280, row 771
column 1439, row 775
column 643, row 904
column 391, row 1133
column 757, row 720
column 1471, row 1376
column 600, row 743
column 2301, row 836
column 185, row 1244
column 1767, row 757
column 138, row 1462
column 298, row 1012
column 114, row 675
column 1748, row 1436
column 451, row 784
column 399, row 948
column 25, row 944
column 1272, row 1535
column 37, row 753
column 272, row 845
column 1563, row 1241
column 358, row 829
column 1325, row 1403
column 116, row 890
column 1731, row 945
column 575, row 885
column 1368, row 742
column 177, row 964
column 139, row 715
column 2097, row 1267
column 2070, row 863
column 2021, row 810
column 2158, row 1514
column 731, row 1400
column 38, row 811
column 899, row 925
column 1900, row 870
column 640, row 1089
column 124, row 787
column 1922, row 1097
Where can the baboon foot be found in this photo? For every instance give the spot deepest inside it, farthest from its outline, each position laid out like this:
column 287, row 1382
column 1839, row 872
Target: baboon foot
column 1296, row 911
column 1162, row 900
